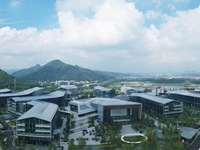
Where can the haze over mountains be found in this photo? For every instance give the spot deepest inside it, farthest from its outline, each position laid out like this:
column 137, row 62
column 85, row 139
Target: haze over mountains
column 57, row 70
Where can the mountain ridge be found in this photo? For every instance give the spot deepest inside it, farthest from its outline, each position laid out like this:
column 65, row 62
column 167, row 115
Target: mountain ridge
column 58, row 70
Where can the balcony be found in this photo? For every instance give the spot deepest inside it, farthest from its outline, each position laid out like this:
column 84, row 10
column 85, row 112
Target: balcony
column 21, row 130
column 21, row 124
column 43, row 125
column 43, row 131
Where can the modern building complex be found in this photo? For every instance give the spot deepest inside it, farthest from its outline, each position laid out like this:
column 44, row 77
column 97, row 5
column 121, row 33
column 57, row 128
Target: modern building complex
column 129, row 90
column 70, row 89
column 100, row 91
column 108, row 110
column 36, row 126
column 17, row 105
column 158, row 104
column 185, row 97
column 30, row 92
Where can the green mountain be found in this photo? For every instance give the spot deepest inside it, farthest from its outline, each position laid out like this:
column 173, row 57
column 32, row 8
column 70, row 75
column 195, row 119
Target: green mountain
column 8, row 81
column 23, row 72
column 57, row 70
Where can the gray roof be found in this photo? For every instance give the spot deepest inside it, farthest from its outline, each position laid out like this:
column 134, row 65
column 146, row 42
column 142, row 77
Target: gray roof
column 41, row 110
column 101, row 88
column 52, row 95
column 184, row 93
column 153, row 98
column 4, row 90
column 25, row 92
column 140, row 89
column 122, row 97
column 188, row 133
column 67, row 87
column 112, row 102
column 86, row 107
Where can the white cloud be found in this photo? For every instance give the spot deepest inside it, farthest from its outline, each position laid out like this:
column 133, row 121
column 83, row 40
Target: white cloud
column 113, row 37
column 15, row 3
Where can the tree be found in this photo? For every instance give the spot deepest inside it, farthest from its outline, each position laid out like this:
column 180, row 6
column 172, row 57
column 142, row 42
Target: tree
column 71, row 145
column 81, row 142
column 125, row 147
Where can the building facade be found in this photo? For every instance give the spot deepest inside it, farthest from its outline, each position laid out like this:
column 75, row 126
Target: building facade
column 185, row 97
column 36, row 126
column 129, row 90
column 70, row 89
column 109, row 110
column 17, row 105
column 100, row 91
column 29, row 92
column 160, row 105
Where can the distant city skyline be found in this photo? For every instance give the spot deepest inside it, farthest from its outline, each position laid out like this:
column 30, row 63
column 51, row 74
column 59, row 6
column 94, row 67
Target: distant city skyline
column 109, row 35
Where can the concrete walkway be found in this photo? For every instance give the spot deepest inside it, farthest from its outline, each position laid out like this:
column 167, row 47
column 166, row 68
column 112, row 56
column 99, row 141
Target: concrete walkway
column 127, row 129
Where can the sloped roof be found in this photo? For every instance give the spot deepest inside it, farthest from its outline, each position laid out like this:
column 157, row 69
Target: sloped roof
column 25, row 92
column 67, row 87
column 188, row 133
column 101, row 88
column 52, row 95
column 184, row 93
column 41, row 110
column 4, row 90
column 153, row 98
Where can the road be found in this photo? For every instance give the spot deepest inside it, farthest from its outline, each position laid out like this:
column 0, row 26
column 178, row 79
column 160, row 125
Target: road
column 196, row 144
column 10, row 137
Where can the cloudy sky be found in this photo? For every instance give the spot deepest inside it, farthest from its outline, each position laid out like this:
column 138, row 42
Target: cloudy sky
column 110, row 35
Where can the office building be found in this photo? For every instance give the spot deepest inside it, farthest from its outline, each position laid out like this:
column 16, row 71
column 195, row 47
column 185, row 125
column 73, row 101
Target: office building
column 17, row 105
column 158, row 104
column 108, row 110
column 185, row 97
column 36, row 126
column 100, row 91
column 30, row 92
column 129, row 90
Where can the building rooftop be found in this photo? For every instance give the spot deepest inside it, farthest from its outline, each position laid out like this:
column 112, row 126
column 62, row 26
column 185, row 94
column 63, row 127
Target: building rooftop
column 22, row 93
column 84, row 106
column 153, row 98
column 4, row 90
column 188, row 133
column 67, row 87
column 41, row 110
column 112, row 102
column 101, row 88
column 184, row 93
column 52, row 95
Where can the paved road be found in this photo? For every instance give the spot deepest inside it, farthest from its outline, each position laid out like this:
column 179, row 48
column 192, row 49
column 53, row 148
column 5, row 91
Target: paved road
column 10, row 137
column 196, row 144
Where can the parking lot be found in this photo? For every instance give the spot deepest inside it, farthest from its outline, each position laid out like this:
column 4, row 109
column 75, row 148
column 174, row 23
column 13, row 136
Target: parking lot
column 88, row 134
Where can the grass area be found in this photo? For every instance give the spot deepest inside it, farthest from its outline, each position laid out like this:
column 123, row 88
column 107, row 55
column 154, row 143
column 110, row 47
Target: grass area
column 133, row 138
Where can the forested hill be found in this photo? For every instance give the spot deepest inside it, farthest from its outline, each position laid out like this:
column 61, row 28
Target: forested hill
column 7, row 81
column 57, row 70
column 24, row 72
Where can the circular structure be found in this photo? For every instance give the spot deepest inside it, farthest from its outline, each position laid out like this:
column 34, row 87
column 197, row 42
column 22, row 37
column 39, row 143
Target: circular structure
column 132, row 135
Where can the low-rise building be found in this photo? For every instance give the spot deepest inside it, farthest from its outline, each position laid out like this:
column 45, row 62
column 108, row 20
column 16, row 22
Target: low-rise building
column 185, row 97
column 36, row 126
column 108, row 110
column 129, row 90
column 70, row 89
column 100, row 91
column 158, row 104
column 17, row 105
column 29, row 92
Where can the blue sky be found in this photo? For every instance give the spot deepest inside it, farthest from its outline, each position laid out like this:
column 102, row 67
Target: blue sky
column 159, row 35
column 21, row 14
